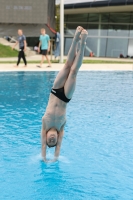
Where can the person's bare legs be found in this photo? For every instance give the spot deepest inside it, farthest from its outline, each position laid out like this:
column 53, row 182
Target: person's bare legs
column 47, row 58
column 63, row 74
column 42, row 60
column 71, row 81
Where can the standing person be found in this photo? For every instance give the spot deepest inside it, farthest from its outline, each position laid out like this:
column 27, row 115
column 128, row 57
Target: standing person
column 45, row 46
column 57, row 44
column 22, row 47
column 54, row 119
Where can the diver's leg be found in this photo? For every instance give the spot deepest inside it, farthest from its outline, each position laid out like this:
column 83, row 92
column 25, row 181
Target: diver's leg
column 64, row 72
column 73, row 49
column 71, row 81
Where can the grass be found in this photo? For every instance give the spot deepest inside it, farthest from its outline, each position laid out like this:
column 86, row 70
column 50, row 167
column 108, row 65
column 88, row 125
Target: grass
column 85, row 62
column 6, row 51
column 106, row 62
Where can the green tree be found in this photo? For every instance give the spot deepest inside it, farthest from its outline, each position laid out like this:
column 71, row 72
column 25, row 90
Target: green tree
column 58, row 19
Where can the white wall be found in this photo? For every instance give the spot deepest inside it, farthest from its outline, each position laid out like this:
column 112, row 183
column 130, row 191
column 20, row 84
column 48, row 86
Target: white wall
column 77, row 1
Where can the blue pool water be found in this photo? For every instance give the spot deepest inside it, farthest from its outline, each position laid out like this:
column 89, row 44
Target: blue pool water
column 96, row 161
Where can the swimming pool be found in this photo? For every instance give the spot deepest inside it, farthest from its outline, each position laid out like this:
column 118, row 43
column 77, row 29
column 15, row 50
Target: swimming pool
column 96, row 161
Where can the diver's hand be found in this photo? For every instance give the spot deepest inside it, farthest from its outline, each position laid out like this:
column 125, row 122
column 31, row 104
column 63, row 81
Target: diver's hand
column 50, row 161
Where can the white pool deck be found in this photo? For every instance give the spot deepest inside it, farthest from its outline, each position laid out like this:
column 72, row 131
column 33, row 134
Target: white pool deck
column 57, row 66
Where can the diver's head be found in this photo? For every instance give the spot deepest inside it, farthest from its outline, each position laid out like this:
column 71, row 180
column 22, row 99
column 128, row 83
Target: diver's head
column 52, row 137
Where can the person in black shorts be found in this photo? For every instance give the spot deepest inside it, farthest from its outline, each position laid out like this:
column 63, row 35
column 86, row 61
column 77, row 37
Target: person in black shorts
column 22, row 47
column 54, row 119
column 44, row 44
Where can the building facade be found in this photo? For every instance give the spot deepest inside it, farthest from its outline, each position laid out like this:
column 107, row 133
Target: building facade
column 108, row 22
column 29, row 15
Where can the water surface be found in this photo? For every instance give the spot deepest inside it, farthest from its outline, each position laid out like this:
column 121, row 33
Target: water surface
column 96, row 161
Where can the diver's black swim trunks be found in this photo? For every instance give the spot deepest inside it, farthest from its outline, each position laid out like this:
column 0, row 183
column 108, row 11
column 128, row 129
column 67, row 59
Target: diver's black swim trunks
column 60, row 94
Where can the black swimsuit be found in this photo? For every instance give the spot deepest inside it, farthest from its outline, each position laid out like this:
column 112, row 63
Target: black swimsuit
column 60, row 94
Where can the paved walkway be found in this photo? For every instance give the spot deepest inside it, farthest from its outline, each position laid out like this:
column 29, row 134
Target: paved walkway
column 58, row 66
column 38, row 58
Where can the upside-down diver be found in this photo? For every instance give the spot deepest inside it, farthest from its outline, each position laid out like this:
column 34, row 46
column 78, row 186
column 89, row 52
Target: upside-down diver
column 54, row 119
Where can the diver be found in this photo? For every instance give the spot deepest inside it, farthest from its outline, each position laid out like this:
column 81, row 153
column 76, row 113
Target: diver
column 54, row 119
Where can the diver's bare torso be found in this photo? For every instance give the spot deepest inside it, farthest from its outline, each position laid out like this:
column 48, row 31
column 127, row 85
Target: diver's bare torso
column 55, row 115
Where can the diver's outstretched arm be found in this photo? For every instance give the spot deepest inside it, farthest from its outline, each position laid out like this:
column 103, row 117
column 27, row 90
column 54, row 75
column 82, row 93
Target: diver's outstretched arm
column 58, row 146
column 44, row 145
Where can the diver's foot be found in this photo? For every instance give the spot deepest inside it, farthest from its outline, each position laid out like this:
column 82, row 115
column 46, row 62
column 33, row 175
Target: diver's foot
column 25, row 66
column 77, row 33
column 16, row 66
column 84, row 35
